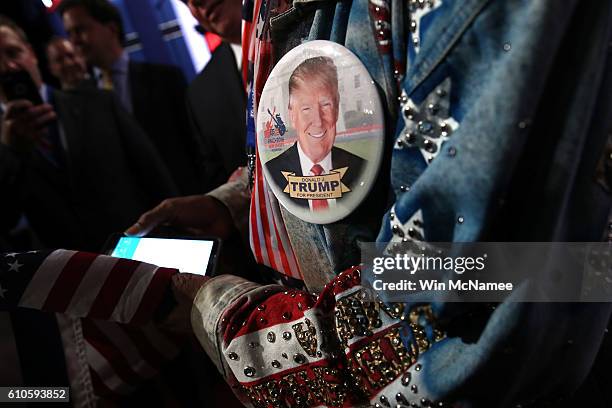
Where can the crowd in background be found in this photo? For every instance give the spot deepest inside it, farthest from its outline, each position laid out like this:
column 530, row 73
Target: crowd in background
column 111, row 139
column 114, row 139
column 123, row 137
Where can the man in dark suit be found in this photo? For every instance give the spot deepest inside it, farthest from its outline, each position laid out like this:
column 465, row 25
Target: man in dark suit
column 216, row 103
column 289, row 161
column 153, row 93
column 314, row 103
column 78, row 166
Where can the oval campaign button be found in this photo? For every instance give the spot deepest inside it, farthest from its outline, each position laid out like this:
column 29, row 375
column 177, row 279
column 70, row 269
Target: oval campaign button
column 320, row 131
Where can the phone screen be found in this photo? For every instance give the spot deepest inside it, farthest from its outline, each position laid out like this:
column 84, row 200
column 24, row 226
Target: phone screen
column 186, row 255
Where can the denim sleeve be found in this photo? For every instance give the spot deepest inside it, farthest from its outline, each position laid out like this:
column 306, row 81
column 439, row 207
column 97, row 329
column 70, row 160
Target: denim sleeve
column 494, row 130
column 496, row 136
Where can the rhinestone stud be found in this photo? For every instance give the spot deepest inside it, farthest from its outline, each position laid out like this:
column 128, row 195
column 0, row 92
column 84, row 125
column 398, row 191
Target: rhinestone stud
column 406, row 379
column 299, row 358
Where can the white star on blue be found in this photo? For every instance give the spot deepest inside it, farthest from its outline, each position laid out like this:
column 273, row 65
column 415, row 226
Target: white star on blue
column 14, row 266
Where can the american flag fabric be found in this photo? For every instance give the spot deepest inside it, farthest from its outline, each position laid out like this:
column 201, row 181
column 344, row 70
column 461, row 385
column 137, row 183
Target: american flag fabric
column 341, row 348
column 268, row 236
column 108, row 306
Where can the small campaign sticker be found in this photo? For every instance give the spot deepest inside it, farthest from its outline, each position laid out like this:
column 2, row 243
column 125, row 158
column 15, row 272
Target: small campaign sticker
column 320, row 131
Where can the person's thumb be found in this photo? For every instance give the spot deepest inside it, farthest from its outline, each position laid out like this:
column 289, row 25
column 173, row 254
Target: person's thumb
column 151, row 219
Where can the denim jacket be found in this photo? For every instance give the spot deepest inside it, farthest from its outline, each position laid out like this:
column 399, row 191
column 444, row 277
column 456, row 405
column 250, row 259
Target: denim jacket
column 496, row 120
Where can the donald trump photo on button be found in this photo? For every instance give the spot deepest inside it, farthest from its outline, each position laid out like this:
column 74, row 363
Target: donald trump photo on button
column 313, row 110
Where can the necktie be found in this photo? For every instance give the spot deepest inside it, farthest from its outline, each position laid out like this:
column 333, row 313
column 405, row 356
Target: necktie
column 318, row 205
column 107, row 80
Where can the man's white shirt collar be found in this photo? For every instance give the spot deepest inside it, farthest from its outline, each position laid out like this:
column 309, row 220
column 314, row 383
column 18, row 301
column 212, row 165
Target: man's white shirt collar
column 307, row 164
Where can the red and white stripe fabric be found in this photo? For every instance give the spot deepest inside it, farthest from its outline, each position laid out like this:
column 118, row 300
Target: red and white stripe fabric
column 268, row 236
column 338, row 349
column 113, row 302
column 269, row 240
column 82, row 284
column 120, row 359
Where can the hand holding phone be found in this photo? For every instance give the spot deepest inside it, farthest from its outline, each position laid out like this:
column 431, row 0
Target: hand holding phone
column 26, row 116
column 18, row 85
column 197, row 215
column 23, row 124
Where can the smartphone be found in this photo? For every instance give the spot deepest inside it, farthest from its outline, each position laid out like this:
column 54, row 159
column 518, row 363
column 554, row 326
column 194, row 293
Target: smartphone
column 192, row 255
column 19, row 85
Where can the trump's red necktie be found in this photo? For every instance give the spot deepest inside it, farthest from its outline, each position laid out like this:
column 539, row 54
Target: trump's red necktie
column 318, row 205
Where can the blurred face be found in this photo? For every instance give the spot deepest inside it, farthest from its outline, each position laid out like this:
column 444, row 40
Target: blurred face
column 65, row 63
column 222, row 17
column 97, row 42
column 313, row 111
column 15, row 55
